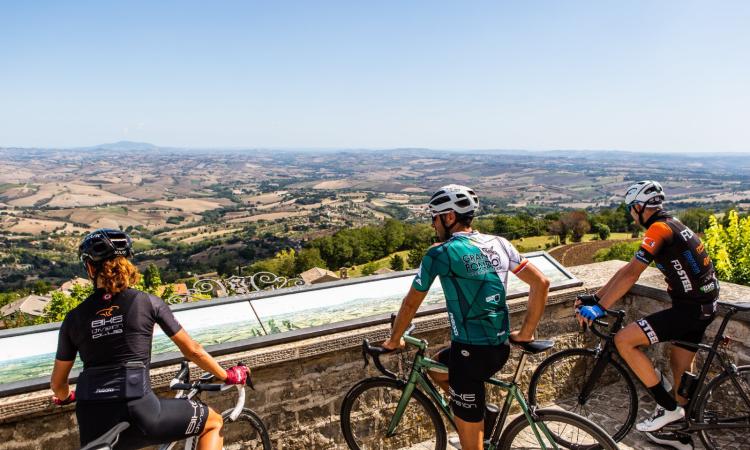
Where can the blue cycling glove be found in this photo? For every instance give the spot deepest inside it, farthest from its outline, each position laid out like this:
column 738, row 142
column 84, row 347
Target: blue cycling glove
column 592, row 312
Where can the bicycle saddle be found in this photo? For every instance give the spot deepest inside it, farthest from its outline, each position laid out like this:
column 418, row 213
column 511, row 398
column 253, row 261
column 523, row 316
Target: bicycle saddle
column 108, row 439
column 740, row 306
column 534, row 347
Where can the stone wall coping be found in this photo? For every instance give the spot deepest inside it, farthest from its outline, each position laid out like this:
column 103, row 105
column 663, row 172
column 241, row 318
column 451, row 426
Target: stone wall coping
column 593, row 276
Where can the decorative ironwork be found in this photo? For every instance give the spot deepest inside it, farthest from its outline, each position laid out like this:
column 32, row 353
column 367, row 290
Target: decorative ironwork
column 205, row 288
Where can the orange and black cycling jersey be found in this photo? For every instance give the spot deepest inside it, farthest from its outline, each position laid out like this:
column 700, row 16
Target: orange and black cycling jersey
column 680, row 255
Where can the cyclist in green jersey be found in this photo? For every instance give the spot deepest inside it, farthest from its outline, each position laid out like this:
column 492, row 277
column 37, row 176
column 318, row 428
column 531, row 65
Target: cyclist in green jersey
column 473, row 270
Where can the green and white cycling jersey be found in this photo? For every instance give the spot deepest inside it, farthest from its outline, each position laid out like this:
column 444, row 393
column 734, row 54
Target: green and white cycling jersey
column 473, row 270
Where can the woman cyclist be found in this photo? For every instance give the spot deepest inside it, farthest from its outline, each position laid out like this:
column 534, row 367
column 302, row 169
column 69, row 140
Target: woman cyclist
column 112, row 331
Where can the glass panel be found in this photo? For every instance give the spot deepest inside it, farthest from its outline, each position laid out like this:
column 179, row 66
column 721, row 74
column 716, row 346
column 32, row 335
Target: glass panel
column 28, row 356
column 32, row 355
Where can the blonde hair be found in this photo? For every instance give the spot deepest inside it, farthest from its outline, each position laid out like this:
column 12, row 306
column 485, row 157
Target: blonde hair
column 117, row 274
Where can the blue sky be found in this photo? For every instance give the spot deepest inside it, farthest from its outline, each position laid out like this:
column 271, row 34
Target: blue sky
column 632, row 75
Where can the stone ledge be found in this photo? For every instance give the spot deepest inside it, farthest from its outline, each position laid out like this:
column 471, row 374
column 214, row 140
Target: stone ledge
column 651, row 285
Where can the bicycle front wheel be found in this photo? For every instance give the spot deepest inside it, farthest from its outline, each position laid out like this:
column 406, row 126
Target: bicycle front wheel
column 559, row 382
column 567, row 430
column 247, row 432
column 367, row 410
column 725, row 401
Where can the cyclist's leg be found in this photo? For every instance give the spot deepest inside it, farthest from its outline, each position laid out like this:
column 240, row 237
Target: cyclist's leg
column 627, row 341
column 212, row 437
column 682, row 357
column 443, row 356
column 680, row 360
column 470, row 366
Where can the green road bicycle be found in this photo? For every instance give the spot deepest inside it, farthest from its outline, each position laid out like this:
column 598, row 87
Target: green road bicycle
column 388, row 412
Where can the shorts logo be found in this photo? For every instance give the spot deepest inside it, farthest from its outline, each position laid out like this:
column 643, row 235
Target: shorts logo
column 465, row 353
column 466, row 401
column 650, row 333
column 195, row 423
column 649, row 242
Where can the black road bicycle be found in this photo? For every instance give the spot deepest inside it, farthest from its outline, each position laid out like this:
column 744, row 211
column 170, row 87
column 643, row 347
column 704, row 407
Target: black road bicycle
column 597, row 384
column 243, row 429
column 388, row 412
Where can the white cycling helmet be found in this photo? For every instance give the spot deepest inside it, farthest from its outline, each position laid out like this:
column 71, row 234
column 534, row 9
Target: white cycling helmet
column 647, row 192
column 453, row 197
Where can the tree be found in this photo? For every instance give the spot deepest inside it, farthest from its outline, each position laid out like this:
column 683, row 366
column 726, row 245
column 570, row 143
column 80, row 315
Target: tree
column 559, row 229
column 62, row 303
column 414, row 258
column 602, row 230
column 623, row 251
column 151, row 278
column 577, row 223
column 369, row 268
column 729, row 247
column 697, row 219
column 307, row 258
column 394, row 235
column 397, row 263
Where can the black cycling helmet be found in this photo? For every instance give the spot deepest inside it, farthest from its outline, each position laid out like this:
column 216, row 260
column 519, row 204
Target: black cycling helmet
column 104, row 244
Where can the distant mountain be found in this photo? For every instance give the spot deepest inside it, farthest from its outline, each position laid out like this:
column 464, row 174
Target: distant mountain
column 124, row 146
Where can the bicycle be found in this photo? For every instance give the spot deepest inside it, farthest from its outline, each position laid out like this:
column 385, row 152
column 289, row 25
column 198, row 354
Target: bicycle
column 587, row 381
column 253, row 435
column 391, row 412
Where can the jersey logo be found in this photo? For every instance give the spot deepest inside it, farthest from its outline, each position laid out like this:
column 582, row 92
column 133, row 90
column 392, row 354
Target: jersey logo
column 649, row 242
column 686, row 285
column 686, row 234
column 107, row 312
column 418, row 278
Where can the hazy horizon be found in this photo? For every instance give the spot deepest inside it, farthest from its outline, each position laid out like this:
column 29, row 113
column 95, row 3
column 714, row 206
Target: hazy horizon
column 370, row 149
column 642, row 76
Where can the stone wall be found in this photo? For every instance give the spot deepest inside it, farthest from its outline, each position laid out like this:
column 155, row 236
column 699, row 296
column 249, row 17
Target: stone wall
column 300, row 385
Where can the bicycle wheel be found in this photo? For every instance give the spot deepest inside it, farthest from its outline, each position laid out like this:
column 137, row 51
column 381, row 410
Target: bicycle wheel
column 367, row 411
column 722, row 402
column 568, row 430
column 247, row 432
column 560, row 379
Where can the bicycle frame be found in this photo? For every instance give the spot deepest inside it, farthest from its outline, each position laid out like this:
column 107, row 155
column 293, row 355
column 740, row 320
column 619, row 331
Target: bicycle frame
column 689, row 424
column 417, row 377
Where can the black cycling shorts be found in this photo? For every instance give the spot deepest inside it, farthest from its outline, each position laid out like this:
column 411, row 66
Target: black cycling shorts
column 684, row 323
column 153, row 420
column 469, row 366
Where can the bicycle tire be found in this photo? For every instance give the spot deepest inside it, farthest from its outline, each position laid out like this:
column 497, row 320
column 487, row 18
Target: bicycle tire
column 598, row 408
column 720, row 395
column 516, row 436
column 378, row 398
column 253, row 436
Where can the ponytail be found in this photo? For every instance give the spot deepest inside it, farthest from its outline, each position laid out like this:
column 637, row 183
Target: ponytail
column 117, row 274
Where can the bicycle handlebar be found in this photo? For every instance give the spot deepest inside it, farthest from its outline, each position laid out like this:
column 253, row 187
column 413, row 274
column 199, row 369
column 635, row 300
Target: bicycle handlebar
column 618, row 314
column 375, row 351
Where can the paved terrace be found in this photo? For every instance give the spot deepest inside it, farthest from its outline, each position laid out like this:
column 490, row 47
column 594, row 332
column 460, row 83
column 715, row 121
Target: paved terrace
column 301, row 383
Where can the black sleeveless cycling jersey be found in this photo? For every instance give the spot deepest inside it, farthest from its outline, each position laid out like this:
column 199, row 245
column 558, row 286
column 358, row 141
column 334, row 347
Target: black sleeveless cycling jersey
column 109, row 330
column 681, row 256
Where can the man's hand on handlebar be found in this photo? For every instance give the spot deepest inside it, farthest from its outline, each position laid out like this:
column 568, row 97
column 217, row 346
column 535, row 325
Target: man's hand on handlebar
column 390, row 344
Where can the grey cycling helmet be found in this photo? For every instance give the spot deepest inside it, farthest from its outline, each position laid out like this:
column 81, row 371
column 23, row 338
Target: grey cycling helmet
column 453, row 197
column 647, row 192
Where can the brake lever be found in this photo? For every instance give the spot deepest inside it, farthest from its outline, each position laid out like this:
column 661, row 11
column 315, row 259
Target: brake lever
column 365, row 345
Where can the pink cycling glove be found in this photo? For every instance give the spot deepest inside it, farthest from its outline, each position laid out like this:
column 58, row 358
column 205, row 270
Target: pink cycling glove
column 237, row 375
